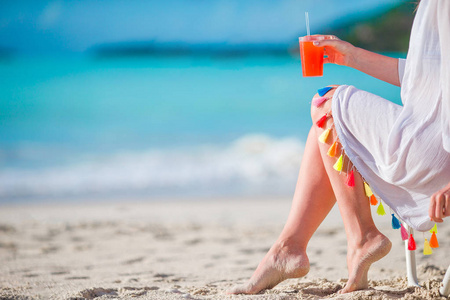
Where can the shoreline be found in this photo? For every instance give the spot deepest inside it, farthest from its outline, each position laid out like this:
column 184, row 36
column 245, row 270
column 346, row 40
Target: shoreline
column 185, row 250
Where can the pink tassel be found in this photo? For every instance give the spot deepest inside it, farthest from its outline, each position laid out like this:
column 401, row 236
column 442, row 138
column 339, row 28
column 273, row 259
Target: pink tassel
column 411, row 243
column 351, row 179
column 321, row 121
column 318, row 101
column 403, row 232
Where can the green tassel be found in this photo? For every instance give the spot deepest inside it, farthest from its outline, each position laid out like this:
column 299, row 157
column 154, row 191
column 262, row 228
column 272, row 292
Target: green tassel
column 340, row 162
column 434, row 229
column 380, row 209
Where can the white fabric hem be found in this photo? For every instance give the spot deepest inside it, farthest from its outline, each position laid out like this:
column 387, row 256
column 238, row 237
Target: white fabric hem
column 361, row 170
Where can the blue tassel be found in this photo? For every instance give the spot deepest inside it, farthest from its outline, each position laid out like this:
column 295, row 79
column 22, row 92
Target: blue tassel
column 395, row 222
column 324, row 90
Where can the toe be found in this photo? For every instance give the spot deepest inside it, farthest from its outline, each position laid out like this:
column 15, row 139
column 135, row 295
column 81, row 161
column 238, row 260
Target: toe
column 240, row 289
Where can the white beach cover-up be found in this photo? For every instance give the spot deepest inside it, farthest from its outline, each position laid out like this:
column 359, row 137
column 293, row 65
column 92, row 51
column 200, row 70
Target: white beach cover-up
column 403, row 152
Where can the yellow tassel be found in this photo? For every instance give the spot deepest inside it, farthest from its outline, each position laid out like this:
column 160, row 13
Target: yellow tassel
column 338, row 165
column 380, row 209
column 367, row 189
column 434, row 229
column 324, row 136
column 426, row 248
column 332, row 151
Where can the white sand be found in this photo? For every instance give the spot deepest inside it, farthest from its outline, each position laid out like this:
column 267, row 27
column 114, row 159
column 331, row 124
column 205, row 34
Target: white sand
column 185, row 250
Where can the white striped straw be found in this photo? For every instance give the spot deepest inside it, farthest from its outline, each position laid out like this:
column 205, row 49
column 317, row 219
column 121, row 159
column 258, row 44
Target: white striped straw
column 307, row 23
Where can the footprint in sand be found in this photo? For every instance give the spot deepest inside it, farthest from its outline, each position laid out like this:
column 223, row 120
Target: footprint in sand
column 76, row 278
column 162, row 275
column 193, row 242
column 247, row 251
column 7, row 228
column 49, row 249
column 134, row 260
column 96, row 292
column 59, row 273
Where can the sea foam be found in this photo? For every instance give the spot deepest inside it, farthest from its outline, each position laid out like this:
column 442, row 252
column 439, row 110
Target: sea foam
column 253, row 164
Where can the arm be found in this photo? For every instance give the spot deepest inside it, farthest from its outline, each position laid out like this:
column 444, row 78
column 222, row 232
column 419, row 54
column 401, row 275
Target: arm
column 343, row 53
column 440, row 205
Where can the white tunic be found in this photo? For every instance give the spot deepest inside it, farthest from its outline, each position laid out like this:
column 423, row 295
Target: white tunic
column 403, row 152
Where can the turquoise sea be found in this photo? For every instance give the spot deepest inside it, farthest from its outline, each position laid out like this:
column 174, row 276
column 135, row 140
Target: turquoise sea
column 83, row 127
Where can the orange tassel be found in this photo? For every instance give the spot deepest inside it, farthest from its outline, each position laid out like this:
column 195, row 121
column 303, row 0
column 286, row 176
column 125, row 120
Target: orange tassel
column 433, row 241
column 373, row 200
column 322, row 121
column 411, row 243
column 351, row 179
column 333, row 149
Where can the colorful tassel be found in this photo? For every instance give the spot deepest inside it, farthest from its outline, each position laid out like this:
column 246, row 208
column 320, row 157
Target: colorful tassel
column 434, row 229
column 324, row 136
column 367, row 189
column 373, row 200
column 380, row 209
column 351, row 179
column 322, row 121
column 324, row 90
column 426, row 248
column 433, row 241
column 411, row 243
column 338, row 165
column 395, row 222
column 333, row 149
column 319, row 100
column 403, row 232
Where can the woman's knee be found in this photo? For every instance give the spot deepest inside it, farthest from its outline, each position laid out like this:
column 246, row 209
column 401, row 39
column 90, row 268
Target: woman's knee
column 321, row 102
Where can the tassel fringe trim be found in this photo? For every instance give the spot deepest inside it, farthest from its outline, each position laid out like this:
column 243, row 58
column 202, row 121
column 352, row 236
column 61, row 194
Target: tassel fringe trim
column 350, row 180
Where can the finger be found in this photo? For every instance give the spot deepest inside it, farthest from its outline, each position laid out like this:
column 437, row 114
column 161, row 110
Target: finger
column 331, row 37
column 440, row 201
column 447, row 206
column 432, row 208
column 323, row 43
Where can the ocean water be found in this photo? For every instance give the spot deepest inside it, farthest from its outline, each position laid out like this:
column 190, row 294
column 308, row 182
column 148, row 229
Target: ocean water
column 81, row 127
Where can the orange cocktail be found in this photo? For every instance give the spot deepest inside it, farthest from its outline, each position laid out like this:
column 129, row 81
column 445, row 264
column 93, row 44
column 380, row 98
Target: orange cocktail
column 311, row 56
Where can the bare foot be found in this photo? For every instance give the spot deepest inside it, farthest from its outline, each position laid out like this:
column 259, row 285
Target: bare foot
column 280, row 263
column 360, row 258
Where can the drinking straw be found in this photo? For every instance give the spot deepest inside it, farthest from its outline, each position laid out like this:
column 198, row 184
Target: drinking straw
column 307, row 23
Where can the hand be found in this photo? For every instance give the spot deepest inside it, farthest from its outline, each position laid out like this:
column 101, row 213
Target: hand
column 440, row 205
column 336, row 51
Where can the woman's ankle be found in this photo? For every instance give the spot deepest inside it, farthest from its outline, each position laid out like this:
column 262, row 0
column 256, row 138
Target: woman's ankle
column 357, row 241
column 291, row 243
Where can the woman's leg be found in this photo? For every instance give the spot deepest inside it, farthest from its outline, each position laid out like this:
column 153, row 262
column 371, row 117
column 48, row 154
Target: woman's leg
column 312, row 201
column 317, row 188
column 365, row 244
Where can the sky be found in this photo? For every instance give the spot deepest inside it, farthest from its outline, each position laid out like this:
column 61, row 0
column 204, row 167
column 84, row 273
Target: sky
column 76, row 26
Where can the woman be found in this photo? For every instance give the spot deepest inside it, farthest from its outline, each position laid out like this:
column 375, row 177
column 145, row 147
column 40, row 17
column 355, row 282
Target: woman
column 402, row 152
